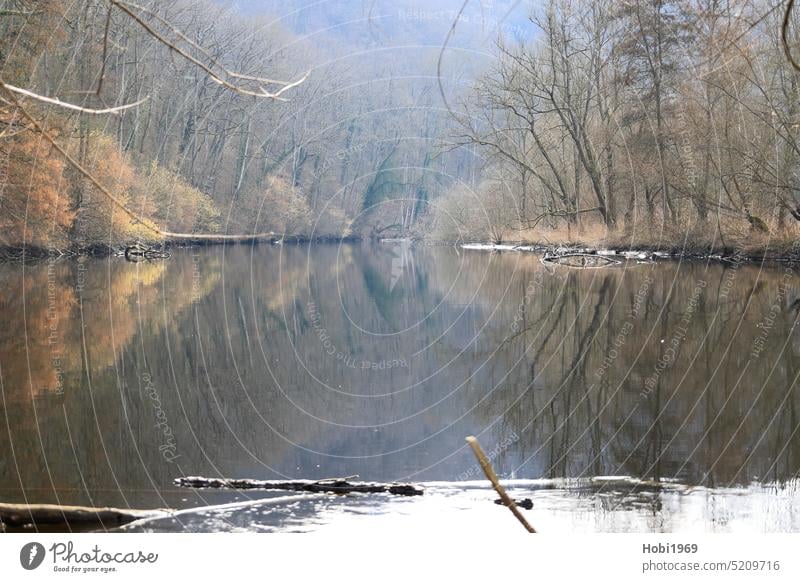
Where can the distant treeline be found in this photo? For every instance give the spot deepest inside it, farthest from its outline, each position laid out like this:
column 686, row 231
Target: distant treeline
column 653, row 121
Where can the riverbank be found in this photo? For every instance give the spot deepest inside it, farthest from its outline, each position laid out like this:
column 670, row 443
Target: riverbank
column 787, row 253
column 780, row 251
column 690, row 240
column 34, row 253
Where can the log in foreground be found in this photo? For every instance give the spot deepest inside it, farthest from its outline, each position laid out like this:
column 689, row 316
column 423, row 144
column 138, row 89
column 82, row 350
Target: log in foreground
column 19, row 515
column 324, row 486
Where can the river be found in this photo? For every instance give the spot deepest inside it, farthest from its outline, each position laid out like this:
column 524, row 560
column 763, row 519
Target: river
column 640, row 397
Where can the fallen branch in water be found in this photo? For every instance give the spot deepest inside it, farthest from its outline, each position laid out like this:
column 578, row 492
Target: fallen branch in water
column 337, row 485
column 19, row 515
column 486, row 465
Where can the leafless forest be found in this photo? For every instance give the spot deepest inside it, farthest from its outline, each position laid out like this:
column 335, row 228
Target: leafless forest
column 613, row 122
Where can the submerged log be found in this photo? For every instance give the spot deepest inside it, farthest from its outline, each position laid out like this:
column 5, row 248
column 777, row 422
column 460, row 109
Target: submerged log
column 324, row 486
column 20, row 515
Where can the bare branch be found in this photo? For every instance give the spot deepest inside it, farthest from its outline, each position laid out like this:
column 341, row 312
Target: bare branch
column 785, row 35
column 59, row 103
column 128, row 8
column 214, row 62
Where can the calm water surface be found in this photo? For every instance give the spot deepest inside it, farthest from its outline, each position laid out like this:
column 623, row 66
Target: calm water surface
column 644, row 397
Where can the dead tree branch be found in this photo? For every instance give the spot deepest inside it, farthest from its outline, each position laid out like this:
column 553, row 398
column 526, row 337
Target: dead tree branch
column 486, row 465
column 130, row 8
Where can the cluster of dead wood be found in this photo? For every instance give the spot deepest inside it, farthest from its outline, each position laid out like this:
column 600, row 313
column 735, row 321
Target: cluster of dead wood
column 45, row 517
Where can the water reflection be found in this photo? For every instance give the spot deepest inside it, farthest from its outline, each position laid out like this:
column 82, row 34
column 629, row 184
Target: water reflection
column 377, row 360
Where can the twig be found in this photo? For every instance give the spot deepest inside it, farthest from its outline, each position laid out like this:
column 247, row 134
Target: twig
column 486, row 465
column 558, row 214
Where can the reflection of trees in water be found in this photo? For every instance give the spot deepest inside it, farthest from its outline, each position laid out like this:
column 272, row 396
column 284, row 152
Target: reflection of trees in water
column 495, row 340
column 709, row 411
column 82, row 420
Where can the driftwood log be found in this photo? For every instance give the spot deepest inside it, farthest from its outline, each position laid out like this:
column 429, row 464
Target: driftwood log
column 324, row 486
column 20, row 515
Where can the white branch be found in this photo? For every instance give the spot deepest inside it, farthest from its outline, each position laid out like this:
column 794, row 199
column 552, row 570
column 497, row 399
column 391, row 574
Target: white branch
column 59, row 103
